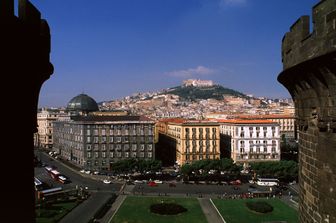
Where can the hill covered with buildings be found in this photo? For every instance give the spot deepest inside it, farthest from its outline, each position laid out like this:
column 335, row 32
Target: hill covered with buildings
column 195, row 99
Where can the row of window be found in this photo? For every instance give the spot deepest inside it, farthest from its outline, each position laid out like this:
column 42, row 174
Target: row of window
column 200, row 143
column 133, row 147
column 261, row 157
column 118, row 155
column 256, row 135
column 200, row 130
column 104, row 132
column 257, row 142
column 257, row 150
column 119, row 139
column 199, row 157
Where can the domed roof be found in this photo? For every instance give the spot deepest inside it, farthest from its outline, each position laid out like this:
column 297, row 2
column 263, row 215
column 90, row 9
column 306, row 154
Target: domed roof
column 82, row 103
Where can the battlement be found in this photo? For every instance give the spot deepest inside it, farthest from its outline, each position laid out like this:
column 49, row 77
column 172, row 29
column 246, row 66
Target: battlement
column 299, row 44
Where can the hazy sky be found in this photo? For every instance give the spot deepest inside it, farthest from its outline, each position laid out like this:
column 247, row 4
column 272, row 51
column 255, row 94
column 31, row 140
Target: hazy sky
column 109, row 49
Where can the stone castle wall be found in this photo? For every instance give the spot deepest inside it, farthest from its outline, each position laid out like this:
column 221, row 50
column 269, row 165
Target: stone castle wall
column 309, row 63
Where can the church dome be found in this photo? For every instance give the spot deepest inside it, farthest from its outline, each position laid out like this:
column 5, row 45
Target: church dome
column 82, row 103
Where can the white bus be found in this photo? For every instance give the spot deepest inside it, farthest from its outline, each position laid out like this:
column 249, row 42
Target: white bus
column 268, row 182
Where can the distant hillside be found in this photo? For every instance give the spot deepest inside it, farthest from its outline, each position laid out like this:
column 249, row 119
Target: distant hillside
column 194, row 93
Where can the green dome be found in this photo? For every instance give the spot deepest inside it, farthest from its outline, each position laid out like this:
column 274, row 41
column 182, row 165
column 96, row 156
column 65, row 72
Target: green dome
column 82, row 103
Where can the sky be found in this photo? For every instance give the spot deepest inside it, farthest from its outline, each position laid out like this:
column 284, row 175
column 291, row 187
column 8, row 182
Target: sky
column 110, row 49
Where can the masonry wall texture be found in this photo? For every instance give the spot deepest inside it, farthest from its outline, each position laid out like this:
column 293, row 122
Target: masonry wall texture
column 309, row 74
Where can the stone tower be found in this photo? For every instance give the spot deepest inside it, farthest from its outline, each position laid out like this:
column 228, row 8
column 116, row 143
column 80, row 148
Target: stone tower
column 24, row 66
column 309, row 74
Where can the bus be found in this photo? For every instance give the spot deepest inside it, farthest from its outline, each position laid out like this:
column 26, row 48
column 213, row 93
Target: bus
column 54, row 174
column 63, row 179
column 52, row 192
column 38, row 184
column 267, row 182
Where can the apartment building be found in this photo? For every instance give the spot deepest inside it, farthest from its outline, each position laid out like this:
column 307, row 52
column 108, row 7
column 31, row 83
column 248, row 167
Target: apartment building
column 95, row 142
column 188, row 140
column 45, row 118
column 251, row 140
column 286, row 123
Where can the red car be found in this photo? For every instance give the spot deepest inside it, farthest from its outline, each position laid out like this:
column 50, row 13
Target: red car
column 152, row 184
column 235, row 182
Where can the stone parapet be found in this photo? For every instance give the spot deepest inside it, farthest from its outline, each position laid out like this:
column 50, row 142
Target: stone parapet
column 299, row 44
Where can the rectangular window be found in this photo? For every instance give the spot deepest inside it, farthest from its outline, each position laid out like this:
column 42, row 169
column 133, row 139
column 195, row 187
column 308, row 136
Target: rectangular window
column 149, row 147
column 134, row 147
column 88, row 139
column 111, row 154
column 95, row 132
column 142, row 154
column 142, row 147
column 126, row 139
column 95, row 147
column 95, row 139
column 104, row 154
column 126, row 147
column 89, row 155
column 126, row 154
column 103, row 132
column 118, row 147
column 88, row 147
column 96, row 154
column 103, row 139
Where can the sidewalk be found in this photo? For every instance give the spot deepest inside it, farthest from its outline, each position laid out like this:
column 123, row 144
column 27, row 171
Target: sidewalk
column 210, row 211
column 115, row 206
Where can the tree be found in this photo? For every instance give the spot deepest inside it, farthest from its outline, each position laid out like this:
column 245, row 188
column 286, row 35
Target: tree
column 284, row 170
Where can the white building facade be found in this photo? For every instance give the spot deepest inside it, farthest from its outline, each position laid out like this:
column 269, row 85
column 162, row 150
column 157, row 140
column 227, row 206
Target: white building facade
column 45, row 118
column 252, row 140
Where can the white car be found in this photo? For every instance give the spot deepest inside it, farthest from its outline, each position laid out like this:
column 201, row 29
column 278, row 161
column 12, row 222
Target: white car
column 82, row 171
column 138, row 182
column 106, row 181
column 158, row 181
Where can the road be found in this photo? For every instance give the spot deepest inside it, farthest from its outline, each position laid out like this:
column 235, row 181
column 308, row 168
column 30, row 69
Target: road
column 100, row 192
column 76, row 178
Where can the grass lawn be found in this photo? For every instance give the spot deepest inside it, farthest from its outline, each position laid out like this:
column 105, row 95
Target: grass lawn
column 136, row 210
column 55, row 212
column 235, row 211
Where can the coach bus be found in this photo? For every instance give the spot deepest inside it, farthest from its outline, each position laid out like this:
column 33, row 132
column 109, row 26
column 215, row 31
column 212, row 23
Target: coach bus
column 268, row 182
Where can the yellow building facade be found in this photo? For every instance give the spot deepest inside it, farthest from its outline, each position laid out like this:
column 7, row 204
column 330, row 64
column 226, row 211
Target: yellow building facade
column 192, row 140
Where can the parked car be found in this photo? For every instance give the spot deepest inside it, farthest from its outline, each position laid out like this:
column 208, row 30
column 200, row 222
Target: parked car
column 152, row 184
column 107, row 181
column 235, row 182
column 158, row 181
